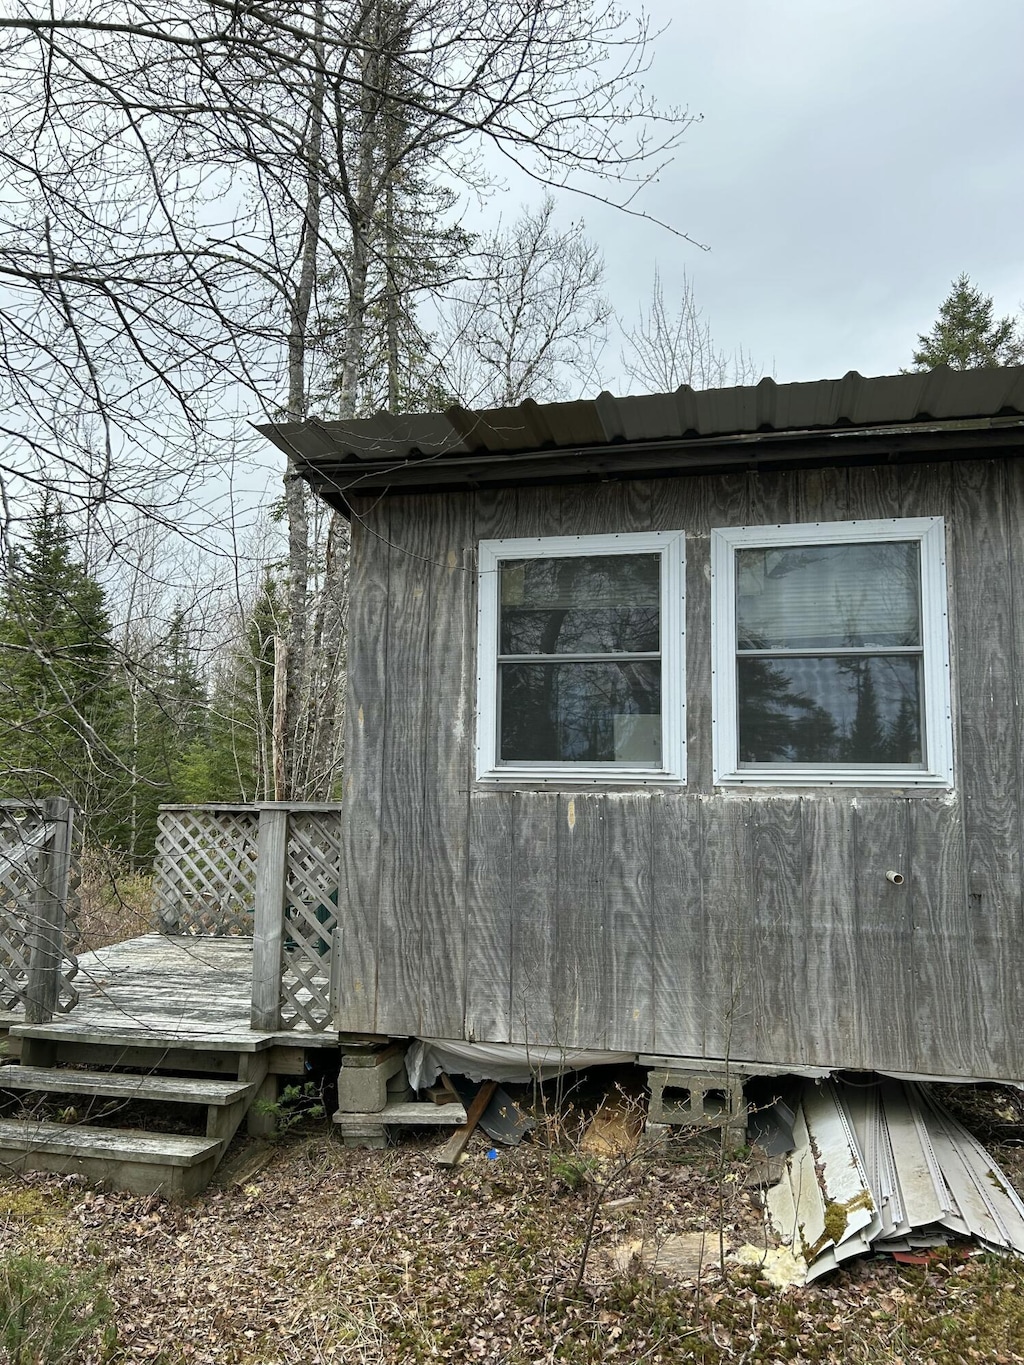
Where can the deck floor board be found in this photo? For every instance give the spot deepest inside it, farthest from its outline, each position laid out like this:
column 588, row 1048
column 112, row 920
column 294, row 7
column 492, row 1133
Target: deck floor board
column 181, row 988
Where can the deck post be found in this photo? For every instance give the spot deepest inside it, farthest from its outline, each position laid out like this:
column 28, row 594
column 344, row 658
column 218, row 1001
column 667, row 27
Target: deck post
column 49, row 912
column 268, row 928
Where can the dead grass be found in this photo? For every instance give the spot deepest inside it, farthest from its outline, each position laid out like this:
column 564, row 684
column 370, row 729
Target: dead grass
column 114, row 903
column 329, row 1255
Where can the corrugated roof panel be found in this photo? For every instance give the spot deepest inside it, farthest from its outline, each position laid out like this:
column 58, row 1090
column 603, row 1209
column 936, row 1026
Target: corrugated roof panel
column 686, row 410
column 986, row 390
column 607, row 408
column 438, row 434
column 652, row 417
column 467, row 447
column 575, row 424
column 850, row 402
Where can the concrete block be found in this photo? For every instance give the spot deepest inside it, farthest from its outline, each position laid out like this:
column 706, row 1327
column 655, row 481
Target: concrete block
column 655, row 1135
column 703, row 1099
column 366, row 1055
column 362, row 1130
column 365, row 1089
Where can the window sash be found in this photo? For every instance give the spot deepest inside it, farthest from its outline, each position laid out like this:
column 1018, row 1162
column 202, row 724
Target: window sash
column 828, row 595
column 933, row 717
column 634, row 729
column 567, row 711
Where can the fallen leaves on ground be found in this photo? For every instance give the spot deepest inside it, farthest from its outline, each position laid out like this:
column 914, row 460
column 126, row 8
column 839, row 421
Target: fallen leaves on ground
column 330, row 1255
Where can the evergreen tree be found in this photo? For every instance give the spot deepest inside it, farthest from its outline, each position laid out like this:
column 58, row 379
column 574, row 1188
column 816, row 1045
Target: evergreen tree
column 60, row 698
column 163, row 717
column 904, row 738
column 967, row 336
column 402, row 244
column 866, row 742
column 778, row 723
column 229, row 758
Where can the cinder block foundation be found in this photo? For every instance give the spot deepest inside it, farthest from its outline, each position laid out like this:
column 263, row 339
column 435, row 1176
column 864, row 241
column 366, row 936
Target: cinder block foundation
column 360, row 1130
column 702, row 1099
column 367, row 1081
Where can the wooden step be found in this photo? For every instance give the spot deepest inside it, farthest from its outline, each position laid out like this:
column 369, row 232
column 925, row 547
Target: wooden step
column 78, row 1139
column 67, row 1031
column 141, row 1162
column 120, row 1085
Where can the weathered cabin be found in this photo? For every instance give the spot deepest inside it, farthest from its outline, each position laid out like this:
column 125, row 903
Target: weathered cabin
column 689, row 725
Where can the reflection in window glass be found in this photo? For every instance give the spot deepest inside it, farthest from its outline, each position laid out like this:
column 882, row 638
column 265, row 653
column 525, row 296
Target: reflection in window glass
column 598, row 604
column 851, row 709
column 597, row 616
column 830, row 659
column 799, row 703
column 582, row 712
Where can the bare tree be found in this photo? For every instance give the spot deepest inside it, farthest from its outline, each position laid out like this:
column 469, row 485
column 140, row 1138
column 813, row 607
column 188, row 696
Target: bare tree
column 532, row 325
column 176, row 180
column 667, row 349
column 170, row 173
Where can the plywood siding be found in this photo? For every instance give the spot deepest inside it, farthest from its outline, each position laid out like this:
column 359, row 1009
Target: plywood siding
column 756, row 925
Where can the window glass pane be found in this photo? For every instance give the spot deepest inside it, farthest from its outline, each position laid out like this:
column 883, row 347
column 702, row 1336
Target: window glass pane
column 598, row 604
column 582, row 712
column 817, row 596
column 829, row 710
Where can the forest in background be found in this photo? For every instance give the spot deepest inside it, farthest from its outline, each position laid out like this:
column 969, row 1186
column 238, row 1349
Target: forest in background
column 214, row 214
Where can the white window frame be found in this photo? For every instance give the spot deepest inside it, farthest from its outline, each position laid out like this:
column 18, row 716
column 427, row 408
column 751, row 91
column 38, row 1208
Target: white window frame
column 671, row 546
column 936, row 720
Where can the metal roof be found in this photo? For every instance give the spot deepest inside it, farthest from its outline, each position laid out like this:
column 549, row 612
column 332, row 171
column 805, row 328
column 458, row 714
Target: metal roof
column 935, row 414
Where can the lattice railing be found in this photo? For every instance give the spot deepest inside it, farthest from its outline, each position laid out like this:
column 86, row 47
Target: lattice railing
column 271, row 871
column 38, row 900
column 311, row 915
column 205, row 872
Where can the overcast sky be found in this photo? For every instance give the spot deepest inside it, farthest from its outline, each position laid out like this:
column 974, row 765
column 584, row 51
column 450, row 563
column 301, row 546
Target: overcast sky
column 853, row 159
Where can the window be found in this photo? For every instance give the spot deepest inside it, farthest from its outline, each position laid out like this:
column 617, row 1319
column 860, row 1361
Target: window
column 830, row 655
column 581, row 658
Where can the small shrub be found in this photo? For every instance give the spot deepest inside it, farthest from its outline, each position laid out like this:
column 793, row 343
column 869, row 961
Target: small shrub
column 294, row 1105
column 571, row 1169
column 48, row 1313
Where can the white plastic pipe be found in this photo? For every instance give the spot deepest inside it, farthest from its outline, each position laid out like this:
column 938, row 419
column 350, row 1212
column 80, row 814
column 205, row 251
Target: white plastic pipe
column 895, row 877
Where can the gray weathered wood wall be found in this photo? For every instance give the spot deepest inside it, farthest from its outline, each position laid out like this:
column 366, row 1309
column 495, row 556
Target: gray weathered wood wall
column 756, row 925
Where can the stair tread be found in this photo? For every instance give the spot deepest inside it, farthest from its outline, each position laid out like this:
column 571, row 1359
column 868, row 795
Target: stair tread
column 122, row 1085
column 66, row 1031
column 124, row 1144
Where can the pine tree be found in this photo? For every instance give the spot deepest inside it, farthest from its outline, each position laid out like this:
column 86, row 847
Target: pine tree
column 778, row 723
column 903, row 740
column 967, row 336
column 60, row 698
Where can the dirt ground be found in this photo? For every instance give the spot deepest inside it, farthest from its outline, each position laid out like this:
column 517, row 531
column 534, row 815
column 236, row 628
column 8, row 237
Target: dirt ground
column 307, row 1252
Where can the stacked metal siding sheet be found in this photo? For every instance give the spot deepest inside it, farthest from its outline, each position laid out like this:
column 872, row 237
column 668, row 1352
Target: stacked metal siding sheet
column 377, row 448
column 887, row 1167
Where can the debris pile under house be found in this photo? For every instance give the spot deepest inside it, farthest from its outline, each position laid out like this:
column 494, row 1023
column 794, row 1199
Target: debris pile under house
column 860, row 1162
column 880, row 1164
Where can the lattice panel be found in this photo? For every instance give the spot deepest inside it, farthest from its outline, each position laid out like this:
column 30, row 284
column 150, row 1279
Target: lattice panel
column 205, row 874
column 311, row 916
column 23, row 838
column 21, row 833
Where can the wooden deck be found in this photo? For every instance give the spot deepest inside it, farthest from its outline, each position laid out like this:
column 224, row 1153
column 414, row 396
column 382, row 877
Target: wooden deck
column 176, row 991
